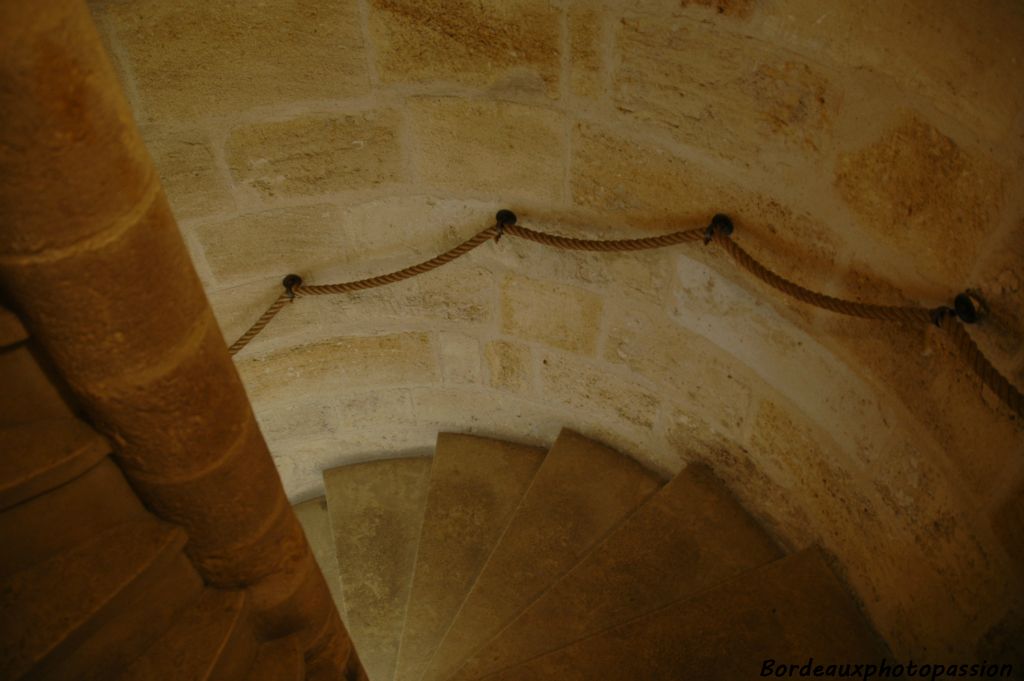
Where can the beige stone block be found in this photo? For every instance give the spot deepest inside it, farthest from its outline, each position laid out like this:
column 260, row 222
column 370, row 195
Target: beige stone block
column 316, row 154
column 196, row 59
column 590, row 388
column 509, row 366
column 271, row 243
column 298, row 415
column 376, row 511
column 238, row 307
column 488, row 147
column 187, row 166
column 512, row 44
column 734, row 96
column 585, row 51
column 560, row 316
column 613, row 173
column 413, row 226
column 962, row 60
column 492, row 413
column 342, row 364
column 712, row 391
column 460, row 357
column 917, row 191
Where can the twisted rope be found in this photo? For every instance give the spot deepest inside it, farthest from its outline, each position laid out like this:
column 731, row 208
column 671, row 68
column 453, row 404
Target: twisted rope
column 719, row 232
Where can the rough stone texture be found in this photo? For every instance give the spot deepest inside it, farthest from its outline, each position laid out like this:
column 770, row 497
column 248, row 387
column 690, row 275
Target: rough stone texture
column 187, row 66
column 733, row 96
column 460, row 358
column 581, row 491
column 475, row 486
column 506, row 45
column 509, row 365
column 315, row 155
column 792, row 606
column 376, row 511
column 272, row 243
column 956, row 58
column 690, row 536
column 188, row 170
column 344, row 363
column 586, row 68
column 917, row 191
column 1009, row 525
column 490, row 148
column 559, row 316
column 316, row 524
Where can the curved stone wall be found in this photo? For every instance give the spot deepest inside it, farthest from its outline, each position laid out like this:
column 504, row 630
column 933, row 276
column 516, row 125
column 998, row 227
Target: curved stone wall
column 864, row 149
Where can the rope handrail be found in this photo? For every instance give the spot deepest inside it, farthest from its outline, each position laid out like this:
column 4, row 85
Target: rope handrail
column 950, row 319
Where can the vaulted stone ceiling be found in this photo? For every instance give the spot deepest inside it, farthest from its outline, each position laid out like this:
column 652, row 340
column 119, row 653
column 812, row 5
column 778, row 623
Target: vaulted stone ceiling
column 872, row 150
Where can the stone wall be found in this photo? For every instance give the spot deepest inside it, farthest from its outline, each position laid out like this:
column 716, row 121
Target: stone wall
column 871, row 150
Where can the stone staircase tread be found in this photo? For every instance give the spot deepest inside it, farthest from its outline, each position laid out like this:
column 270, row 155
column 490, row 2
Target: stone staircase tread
column 476, row 484
column 581, row 492
column 41, row 455
column 11, row 329
column 690, row 536
column 780, row 611
column 208, row 641
column 278, row 660
column 30, row 394
column 47, row 610
column 376, row 511
column 316, row 523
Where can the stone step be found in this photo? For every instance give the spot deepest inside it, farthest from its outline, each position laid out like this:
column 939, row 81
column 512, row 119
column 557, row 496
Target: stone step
column 11, row 329
column 788, row 611
column 580, row 492
column 28, row 394
column 476, row 484
column 41, row 455
column 690, row 536
column 316, row 523
column 376, row 511
column 211, row 639
column 279, row 660
column 81, row 608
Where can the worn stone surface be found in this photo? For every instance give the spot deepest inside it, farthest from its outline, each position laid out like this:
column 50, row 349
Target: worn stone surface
column 510, row 45
column 376, row 512
column 487, row 148
column 271, row 243
column 185, row 160
column 475, row 486
column 585, row 53
column 580, row 492
column 509, row 365
column 460, row 358
column 343, row 363
column 555, row 315
column 917, row 191
column 690, row 536
column 187, row 66
column 792, row 605
column 315, row 155
column 730, row 95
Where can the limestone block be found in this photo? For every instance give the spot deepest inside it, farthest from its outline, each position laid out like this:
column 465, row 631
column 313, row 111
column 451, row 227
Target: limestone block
column 316, row 154
column 960, row 59
column 513, row 43
column 187, row 167
column 712, row 391
column 585, row 51
column 469, row 409
column 460, row 357
column 731, row 95
column 342, row 364
column 589, row 388
column 490, row 148
column 300, row 415
column 509, row 365
column 612, row 173
column 271, row 243
column 549, row 313
column 918, row 192
column 237, row 307
column 187, row 65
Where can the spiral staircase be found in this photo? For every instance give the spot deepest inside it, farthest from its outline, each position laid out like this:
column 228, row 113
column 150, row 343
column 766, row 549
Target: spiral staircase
column 494, row 560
